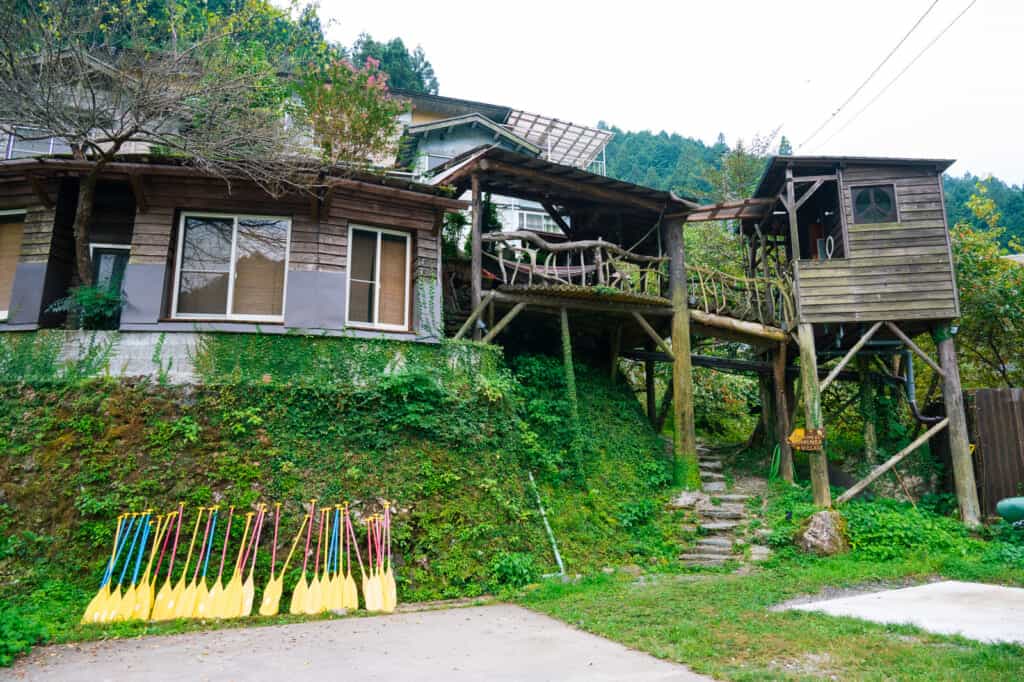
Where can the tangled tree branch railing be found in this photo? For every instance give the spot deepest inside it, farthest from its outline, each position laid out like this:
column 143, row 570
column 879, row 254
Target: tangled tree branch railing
column 525, row 259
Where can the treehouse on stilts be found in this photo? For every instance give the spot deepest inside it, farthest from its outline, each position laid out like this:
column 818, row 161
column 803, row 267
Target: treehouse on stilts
column 844, row 258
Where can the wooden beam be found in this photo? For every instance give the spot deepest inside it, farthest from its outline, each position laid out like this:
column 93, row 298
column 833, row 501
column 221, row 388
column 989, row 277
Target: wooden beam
column 913, row 346
column 782, row 425
column 557, row 217
column 476, row 248
column 477, row 311
column 558, row 302
column 959, row 445
column 39, row 188
column 503, row 322
column 654, row 336
column 739, row 326
column 574, row 186
column 849, row 355
column 397, row 193
column 686, row 465
column 890, row 463
column 135, row 180
column 812, row 413
column 790, row 202
column 809, row 193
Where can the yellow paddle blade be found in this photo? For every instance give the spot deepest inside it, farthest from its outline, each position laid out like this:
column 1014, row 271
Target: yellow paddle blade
column 174, row 600
column 200, row 599
column 143, row 601
column 163, row 595
column 389, row 591
column 113, row 604
column 313, row 596
column 97, row 603
column 231, row 601
column 349, row 593
column 272, row 597
column 334, row 600
column 207, row 608
column 298, row 604
column 187, row 603
column 248, row 595
column 369, row 597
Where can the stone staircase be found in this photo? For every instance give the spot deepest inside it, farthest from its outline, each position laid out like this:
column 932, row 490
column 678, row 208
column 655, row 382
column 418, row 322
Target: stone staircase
column 720, row 519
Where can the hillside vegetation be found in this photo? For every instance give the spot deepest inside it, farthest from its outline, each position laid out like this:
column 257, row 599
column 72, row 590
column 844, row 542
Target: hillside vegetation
column 446, row 432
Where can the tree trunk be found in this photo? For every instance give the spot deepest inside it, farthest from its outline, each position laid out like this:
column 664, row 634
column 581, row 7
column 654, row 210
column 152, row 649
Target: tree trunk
column 868, row 411
column 83, row 217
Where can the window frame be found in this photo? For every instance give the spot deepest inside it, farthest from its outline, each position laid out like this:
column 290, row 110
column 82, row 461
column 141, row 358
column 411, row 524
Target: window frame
column 378, row 326
column 5, row 314
column 228, row 315
column 94, row 246
column 852, row 189
column 12, row 139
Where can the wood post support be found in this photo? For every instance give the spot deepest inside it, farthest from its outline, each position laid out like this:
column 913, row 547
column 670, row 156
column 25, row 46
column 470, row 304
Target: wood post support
column 686, row 469
column 652, row 395
column 959, row 446
column 616, row 349
column 570, row 372
column 812, row 413
column 782, row 425
column 868, row 410
column 476, row 250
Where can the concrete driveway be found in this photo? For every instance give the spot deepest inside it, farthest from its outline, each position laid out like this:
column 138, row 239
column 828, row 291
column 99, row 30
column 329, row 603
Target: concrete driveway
column 497, row 642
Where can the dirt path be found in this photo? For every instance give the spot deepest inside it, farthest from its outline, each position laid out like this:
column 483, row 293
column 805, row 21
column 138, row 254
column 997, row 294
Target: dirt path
column 499, row 642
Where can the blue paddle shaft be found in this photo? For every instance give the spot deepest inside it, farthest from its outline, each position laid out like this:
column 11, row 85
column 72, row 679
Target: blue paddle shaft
column 131, row 550
column 142, row 548
column 209, row 545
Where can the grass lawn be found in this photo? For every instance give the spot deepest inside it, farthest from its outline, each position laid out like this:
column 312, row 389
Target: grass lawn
column 720, row 624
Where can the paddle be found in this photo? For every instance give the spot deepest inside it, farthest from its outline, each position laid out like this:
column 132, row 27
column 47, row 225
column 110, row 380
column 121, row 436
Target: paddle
column 388, row 587
column 127, row 605
column 208, row 607
column 114, row 602
column 335, row 599
column 230, row 604
column 298, row 603
column 144, row 589
column 272, row 594
column 199, row 609
column 249, row 587
column 350, row 593
column 161, row 611
column 98, row 602
column 314, row 596
column 187, row 604
column 172, row 605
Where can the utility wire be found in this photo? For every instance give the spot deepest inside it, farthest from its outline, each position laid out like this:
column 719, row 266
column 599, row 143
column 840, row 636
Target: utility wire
column 871, row 75
column 899, row 75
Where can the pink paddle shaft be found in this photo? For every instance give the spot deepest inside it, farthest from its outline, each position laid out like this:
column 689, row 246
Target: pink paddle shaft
column 163, row 548
column 319, row 537
column 352, row 543
column 309, row 536
column 177, row 534
column 244, row 556
column 256, row 545
column 273, row 553
column 224, row 548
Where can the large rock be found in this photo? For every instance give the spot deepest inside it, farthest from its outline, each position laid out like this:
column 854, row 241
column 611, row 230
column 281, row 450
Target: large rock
column 823, row 534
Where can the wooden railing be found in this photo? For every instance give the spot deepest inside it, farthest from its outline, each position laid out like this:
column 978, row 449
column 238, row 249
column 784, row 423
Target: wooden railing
column 525, row 259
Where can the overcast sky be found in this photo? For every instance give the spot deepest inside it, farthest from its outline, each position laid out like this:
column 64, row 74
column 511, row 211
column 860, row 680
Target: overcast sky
column 740, row 68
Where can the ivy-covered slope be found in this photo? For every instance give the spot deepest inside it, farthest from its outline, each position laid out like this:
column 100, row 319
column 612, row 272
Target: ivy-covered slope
column 448, row 432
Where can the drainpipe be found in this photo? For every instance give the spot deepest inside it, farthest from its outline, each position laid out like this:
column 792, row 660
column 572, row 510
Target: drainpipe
column 911, row 387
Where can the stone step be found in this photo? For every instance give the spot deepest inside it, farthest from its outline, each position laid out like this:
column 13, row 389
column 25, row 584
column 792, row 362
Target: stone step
column 715, row 464
column 715, row 541
column 719, row 550
column 713, row 486
column 718, row 526
column 711, row 475
column 759, row 552
column 732, row 497
column 720, row 514
column 704, row 559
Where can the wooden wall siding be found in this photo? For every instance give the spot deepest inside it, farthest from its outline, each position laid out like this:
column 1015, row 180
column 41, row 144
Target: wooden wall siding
column 314, row 245
column 893, row 271
column 35, row 244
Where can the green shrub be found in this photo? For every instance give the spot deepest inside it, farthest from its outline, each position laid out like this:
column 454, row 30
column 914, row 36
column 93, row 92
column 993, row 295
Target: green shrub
column 18, row 634
column 513, row 569
column 96, row 307
column 887, row 529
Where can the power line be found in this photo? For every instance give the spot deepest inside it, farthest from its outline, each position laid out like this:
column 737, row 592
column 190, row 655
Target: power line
column 899, row 75
column 870, row 76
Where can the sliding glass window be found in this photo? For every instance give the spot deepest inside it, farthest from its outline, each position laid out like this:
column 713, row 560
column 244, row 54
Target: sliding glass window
column 378, row 280
column 231, row 267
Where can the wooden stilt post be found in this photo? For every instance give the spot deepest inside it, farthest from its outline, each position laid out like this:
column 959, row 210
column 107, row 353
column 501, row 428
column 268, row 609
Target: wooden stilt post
column 959, row 446
column 476, row 250
column 782, row 426
column 616, row 349
column 766, row 396
column 570, row 372
column 686, row 469
column 867, row 410
column 652, row 396
column 812, row 413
